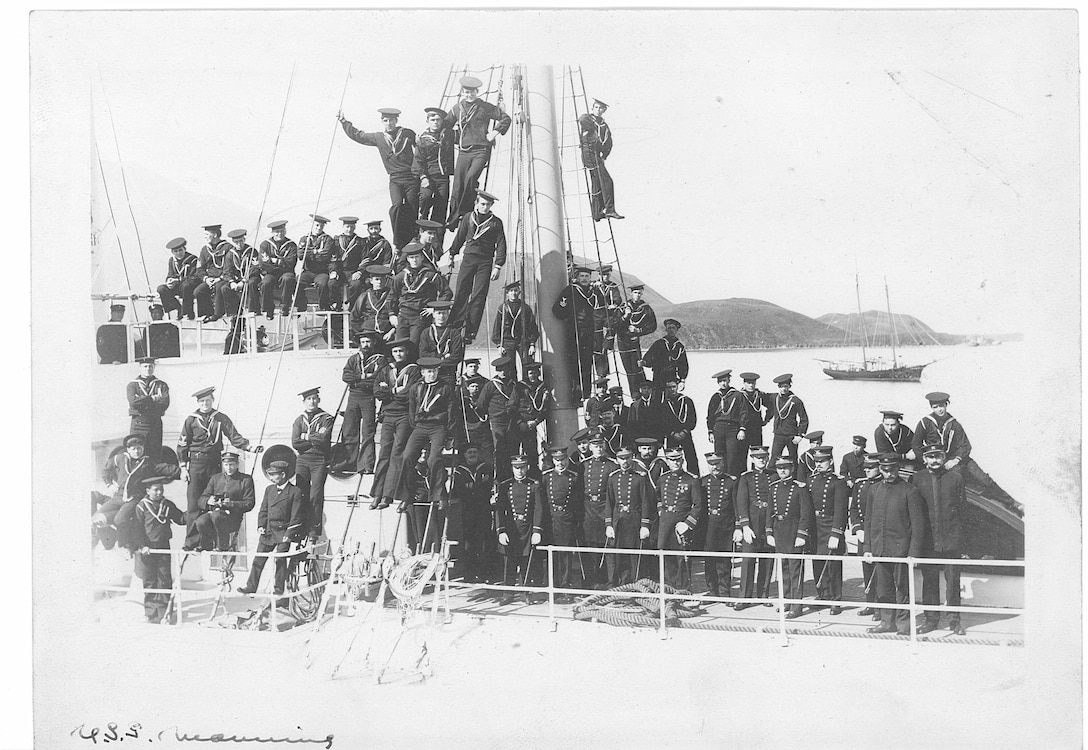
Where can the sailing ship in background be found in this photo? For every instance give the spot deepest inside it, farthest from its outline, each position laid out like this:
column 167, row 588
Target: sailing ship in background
column 877, row 368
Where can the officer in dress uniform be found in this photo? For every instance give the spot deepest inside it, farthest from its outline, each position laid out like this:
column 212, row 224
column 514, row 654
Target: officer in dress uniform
column 681, row 417
column 442, row 341
column 413, row 289
column 396, row 146
column 391, row 388
column 896, row 526
column 538, row 402
column 200, row 450
column 860, row 500
column 636, row 319
column 474, row 135
column 790, row 419
column 278, row 256
column 561, row 496
column 321, row 264
column 481, row 235
column 722, row 532
column 577, row 304
column 311, row 437
column 789, row 528
column 759, row 411
column 648, row 415
column 361, row 372
column 434, row 165
column 830, row 502
column 515, row 329
column 726, row 416
column 473, row 483
column 181, row 279
column 151, row 530
column 595, row 472
column 148, row 399
column 753, row 504
column 894, row 437
column 628, row 501
column 606, row 321
column 852, row 467
column 519, row 520
column 946, row 502
column 371, row 310
column 680, row 504
column 228, row 496
column 430, row 404
column 502, row 401
column 279, row 523
column 595, row 138
column 806, row 467
column 942, row 428
column 667, row 357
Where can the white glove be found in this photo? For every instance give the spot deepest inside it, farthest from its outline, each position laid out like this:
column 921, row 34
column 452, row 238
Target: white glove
column 749, row 535
column 799, row 542
column 532, row 351
column 910, row 454
column 491, row 136
column 710, row 436
column 644, row 533
column 682, row 528
column 504, row 538
column 833, row 543
column 868, row 554
column 738, row 536
column 610, row 532
column 495, row 273
column 185, row 473
column 770, row 540
column 260, row 530
column 861, row 536
column 952, row 463
column 395, row 320
column 535, row 538
column 797, row 440
column 740, row 434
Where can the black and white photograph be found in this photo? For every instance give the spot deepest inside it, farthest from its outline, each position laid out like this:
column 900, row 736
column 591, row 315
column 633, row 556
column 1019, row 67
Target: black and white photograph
column 633, row 378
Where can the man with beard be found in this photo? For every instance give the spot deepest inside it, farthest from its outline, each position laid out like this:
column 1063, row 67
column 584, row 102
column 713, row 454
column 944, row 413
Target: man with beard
column 361, row 372
column 228, row 496
column 681, row 503
column 595, row 472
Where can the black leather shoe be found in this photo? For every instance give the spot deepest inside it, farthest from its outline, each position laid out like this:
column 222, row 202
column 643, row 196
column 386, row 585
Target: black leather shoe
column 956, row 628
column 927, row 627
column 866, row 612
column 741, row 606
column 246, row 590
column 794, row 613
column 375, row 503
column 836, row 611
column 877, row 629
column 713, row 592
column 613, row 215
column 528, row 597
column 507, row 598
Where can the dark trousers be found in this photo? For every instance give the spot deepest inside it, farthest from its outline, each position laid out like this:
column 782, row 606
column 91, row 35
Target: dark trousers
column 473, row 280
column 676, row 573
column 285, row 282
column 753, row 437
column 868, row 571
column 602, row 194
column 425, row 523
column 581, row 352
column 325, row 286
column 755, row 573
column 216, row 527
column 513, row 569
column 727, row 444
column 504, row 440
column 793, row 580
column 410, row 325
column 395, row 432
column 154, row 571
column 604, row 340
column 630, row 354
column 476, row 536
column 434, row 199
column 828, row 577
column 892, row 586
column 466, row 179
column 433, row 435
column 310, row 473
column 151, row 429
column 218, row 298
column 403, row 208
column 201, row 468
column 784, row 442
column 360, row 428
column 184, row 288
column 522, row 352
column 258, row 565
column 931, row 585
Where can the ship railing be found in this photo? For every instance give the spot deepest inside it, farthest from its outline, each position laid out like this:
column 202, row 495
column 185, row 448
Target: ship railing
column 178, row 593
column 914, row 607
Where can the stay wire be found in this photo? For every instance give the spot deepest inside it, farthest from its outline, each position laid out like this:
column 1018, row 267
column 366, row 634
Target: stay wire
column 109, row 204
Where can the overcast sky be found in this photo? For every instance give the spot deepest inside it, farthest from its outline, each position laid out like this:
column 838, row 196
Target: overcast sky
column 758, row 154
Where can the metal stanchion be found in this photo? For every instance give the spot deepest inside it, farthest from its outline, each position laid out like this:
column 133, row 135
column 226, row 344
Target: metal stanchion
column 780, row 571
column 913, row 606
column 551, row 589
column 661, row 589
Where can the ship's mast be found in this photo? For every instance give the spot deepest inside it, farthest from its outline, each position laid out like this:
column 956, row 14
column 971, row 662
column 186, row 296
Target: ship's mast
column 895, row 332
column 861, row 322
column 541, row 125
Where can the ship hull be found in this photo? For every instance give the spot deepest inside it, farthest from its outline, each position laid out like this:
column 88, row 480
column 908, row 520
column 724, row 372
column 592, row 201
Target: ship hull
column 902, row 374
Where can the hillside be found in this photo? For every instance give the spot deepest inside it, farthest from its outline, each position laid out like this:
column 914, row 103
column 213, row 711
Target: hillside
column 743, row 322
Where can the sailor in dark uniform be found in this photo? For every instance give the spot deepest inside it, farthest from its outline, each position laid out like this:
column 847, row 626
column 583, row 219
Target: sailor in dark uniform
column 502, row 401
column 430, row 404
column 607, row 320
column 181, row 279
column 593, row 405
column 667, row 357
column 538, row 401
column 892, row 436
column 806, row 467
column 595, row 138
column 595, row 473
column 789, row 528
column 680, row 504
column 349, row 247
column 469, row 425
column 790, row 419
column 830, row 503
column 163, row 339
column 577, row 305
column 372, row 308
column 111, row 339
column 860, row 500
column 361, row 372
column 443, row 342
column 726, row 416
column 148, row 399
column 753, row 503
column 279, row 523
column 200, row 450
column 940, row 427
column 515, row 329
column 214, row 295
column 396, row 146
column 311, row 437
column 519, row 520
column 123, row 474
column 430, row 238
column 648, row 416
column 434, row 165
column 722, row 532
column 391, row 388
column 481, row 235
column 278, row 257
column 413, row 289
column 852, row 467
column 636, row 319
column 759, row 411
column 628, row 500
column 681, row 417
column 611, row 432
column 473, row 482
column 615, row 400
column 561, row 496
column 247, row 262
column 320, row 264
column 580, row 452
column 228, row 496
column 153, row 515
column 471, row 122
